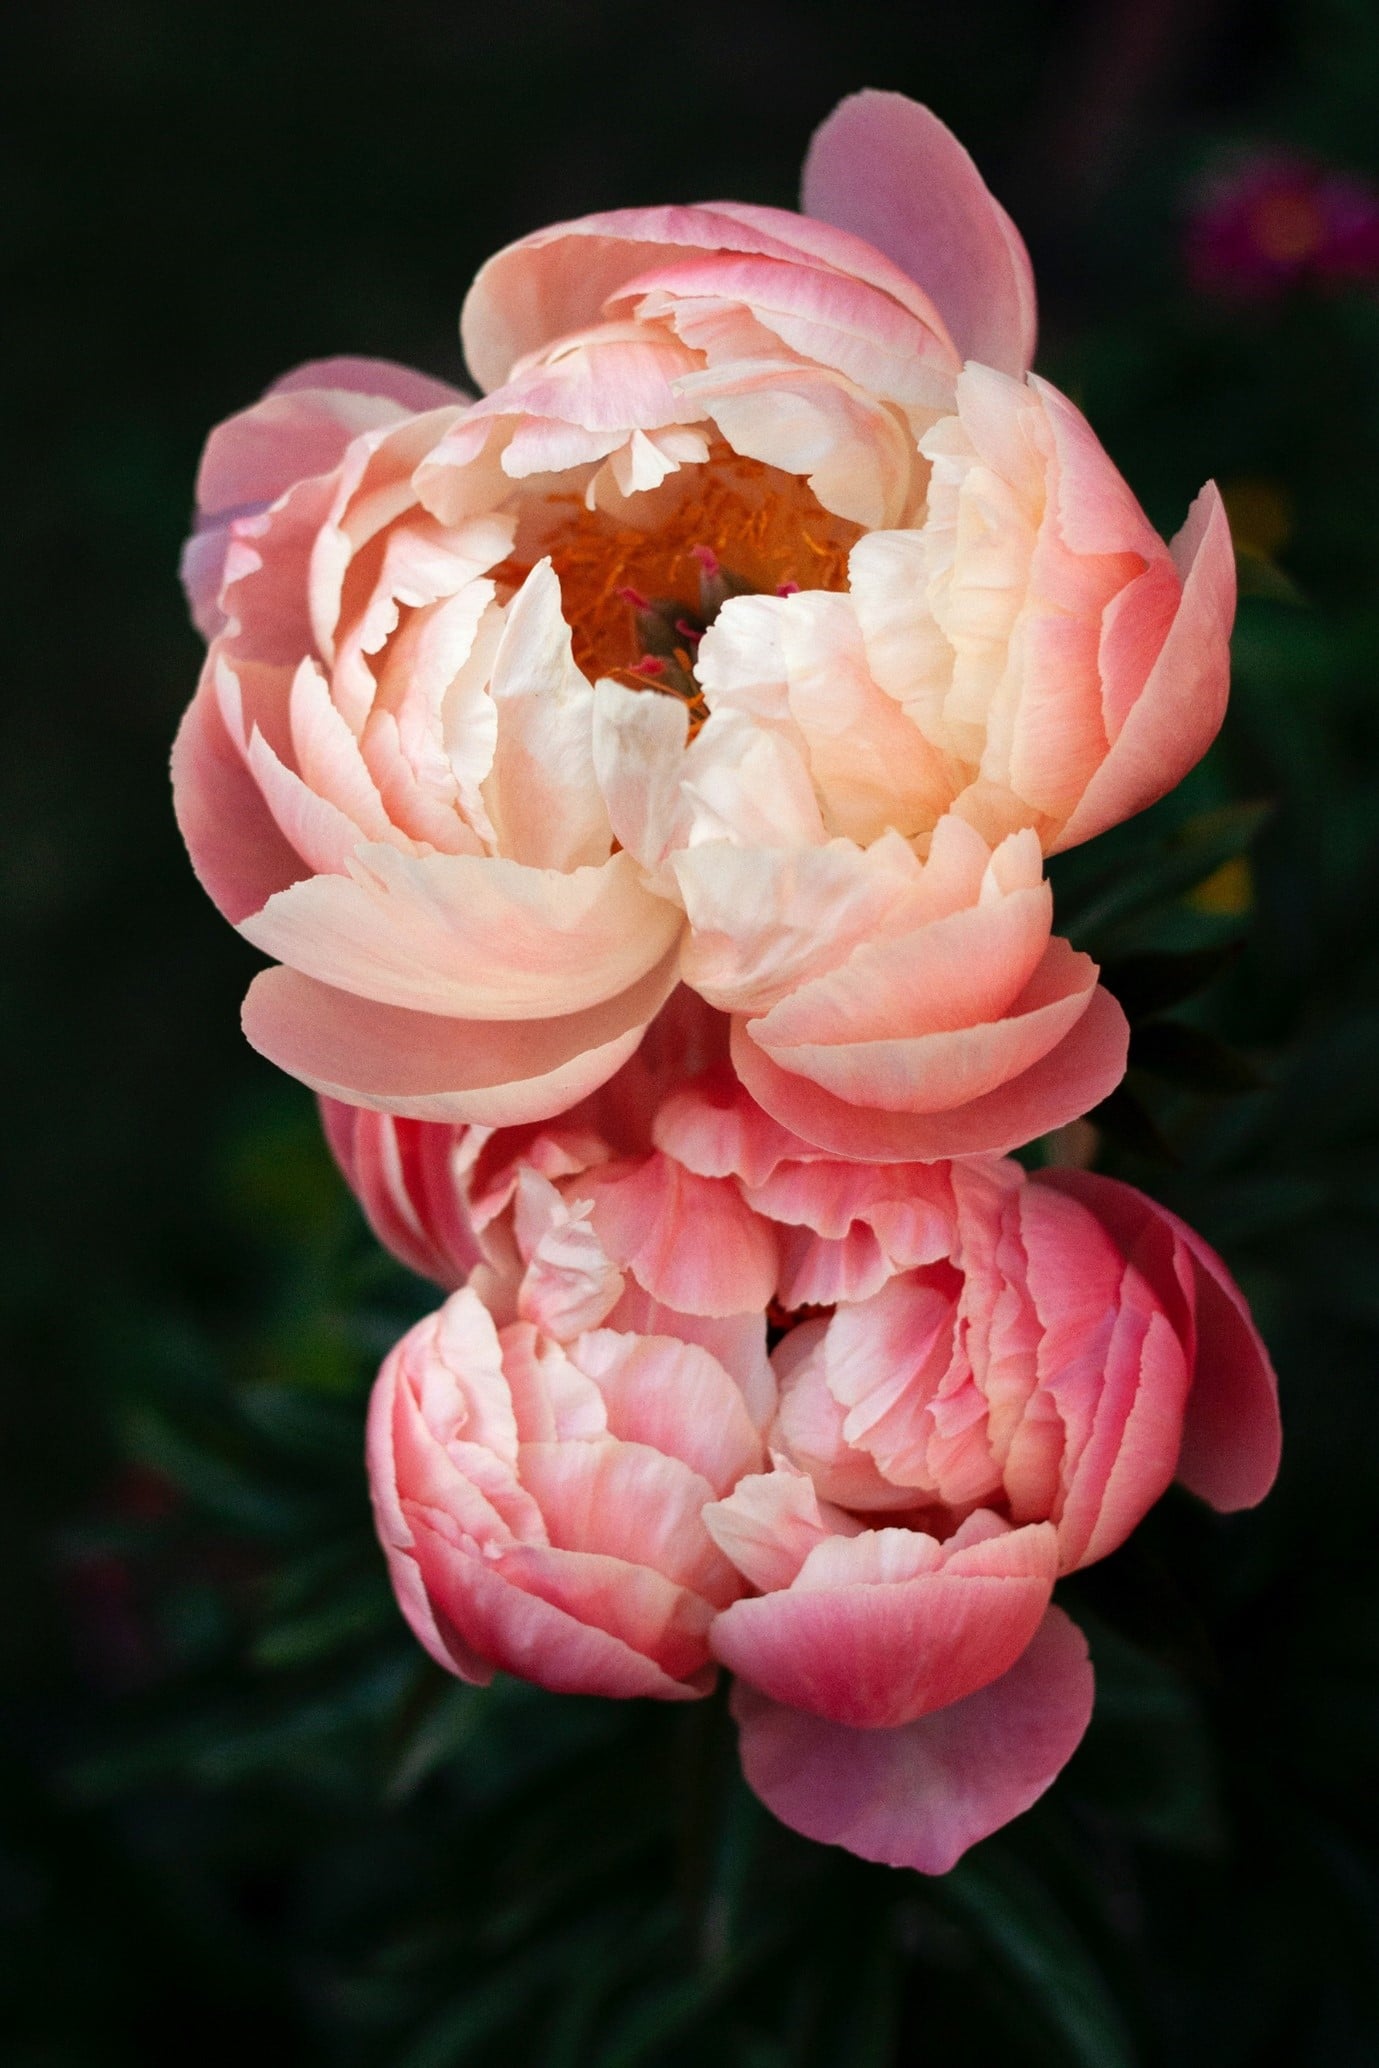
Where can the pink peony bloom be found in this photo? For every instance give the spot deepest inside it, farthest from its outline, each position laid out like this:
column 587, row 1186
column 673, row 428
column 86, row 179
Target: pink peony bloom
column 979, row 1380
column 762, row 609
column 540, row 1487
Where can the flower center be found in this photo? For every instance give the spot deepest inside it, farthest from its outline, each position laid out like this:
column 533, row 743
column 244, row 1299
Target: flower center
column 639, row 600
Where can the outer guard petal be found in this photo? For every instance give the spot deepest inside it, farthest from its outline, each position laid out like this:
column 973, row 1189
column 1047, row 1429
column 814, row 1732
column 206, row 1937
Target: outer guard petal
column 1082, row 1069
column 921, row 1795
column 885, row 168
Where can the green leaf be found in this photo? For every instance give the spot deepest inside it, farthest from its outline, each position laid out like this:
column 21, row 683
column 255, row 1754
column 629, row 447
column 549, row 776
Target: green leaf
column 1016, row 1918
column 228, row 1490
column 1146, row 1761
column 1136, row 884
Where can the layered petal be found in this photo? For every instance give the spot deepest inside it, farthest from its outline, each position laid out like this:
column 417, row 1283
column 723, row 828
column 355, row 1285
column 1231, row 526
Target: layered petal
column 885, row 169
column 883, row 1627
column 920, row 1795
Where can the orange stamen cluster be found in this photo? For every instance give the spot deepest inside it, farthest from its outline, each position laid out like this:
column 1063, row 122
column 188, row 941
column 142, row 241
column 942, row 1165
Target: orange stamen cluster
column 763, row 528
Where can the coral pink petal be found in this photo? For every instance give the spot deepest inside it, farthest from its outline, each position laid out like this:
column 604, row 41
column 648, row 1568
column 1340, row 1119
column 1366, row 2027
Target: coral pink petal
column 535, row 1639
column 885, row 169
column 628, row 1501
column 632, row 1602
column 920, row 1796
column 690, row 1241
column 1082, row 1069
column 677, row 1398
column 1178, row 713
column 914, row 1067
column 1232, row 1434
column 878, row 1653
column 401, row 1173
column 240, row 857
column 395, row 1535
column 499, row 1073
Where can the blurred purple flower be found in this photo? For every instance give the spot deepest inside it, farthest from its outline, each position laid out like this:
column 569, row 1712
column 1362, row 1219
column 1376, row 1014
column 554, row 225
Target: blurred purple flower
column 1273, row 219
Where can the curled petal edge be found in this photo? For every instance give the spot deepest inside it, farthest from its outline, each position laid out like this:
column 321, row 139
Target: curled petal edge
column 920, row 1795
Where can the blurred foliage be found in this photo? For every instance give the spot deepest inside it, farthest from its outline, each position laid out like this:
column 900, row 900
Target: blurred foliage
column 239, row 1809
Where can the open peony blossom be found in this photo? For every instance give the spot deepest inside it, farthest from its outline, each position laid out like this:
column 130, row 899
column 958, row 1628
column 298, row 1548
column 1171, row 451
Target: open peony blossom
column 977, row 1380
column 764, row 622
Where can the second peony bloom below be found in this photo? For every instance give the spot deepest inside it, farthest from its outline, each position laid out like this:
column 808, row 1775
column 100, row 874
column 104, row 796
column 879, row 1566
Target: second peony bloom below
column 713, row 1397
column 762, row 626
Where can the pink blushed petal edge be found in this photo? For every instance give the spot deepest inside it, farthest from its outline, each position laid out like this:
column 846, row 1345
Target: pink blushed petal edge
column 1232, row 1433
column 886, row 169
column 920, row 1796
column 1084, row 1068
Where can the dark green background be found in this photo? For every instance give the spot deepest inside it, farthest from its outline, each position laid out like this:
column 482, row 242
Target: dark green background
column 240, row 1814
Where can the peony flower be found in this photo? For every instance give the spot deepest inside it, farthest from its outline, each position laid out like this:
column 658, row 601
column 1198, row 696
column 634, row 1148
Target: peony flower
column 540, row 1487
column 762, row 609
column 978, row 1380
column 386, row 779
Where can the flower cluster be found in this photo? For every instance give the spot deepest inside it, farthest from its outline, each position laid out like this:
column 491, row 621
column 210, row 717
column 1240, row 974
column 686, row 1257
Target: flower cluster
column 641, row 778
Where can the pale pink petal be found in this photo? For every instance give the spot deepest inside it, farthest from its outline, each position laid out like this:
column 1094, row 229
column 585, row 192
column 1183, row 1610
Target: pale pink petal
column 821, row 315
column 399, row 1544
column 884, row 168
column 857, row 456
column 499, row 1073
column 809, row 1429
column 736, row 1341
column 667, row 1623
column 471, row 935
column 771, row 1521
column 919, row 1796
column 542, row 794
column 570, row 1284
column 300, row 429
column 638, row 745
column 413, row 391
column 911, row 1203
column 928, row 1070
column 950, row 976
column 675, row 1397
column 558, row 280
column 766, row 919
column 552, row 1400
